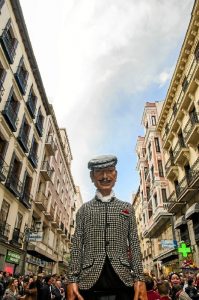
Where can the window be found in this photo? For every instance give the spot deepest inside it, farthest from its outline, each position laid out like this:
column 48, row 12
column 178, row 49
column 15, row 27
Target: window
column 153, row 120
column 160, row 168
column 33, row 153
column 18, row 221
column 9, row 42
column 164, row 195
column 21, row 76
column 143, row 152
column 39, row 122
column 155, row 200
column 149, row 151
column 3, row 147
column 24, row 134
column 2, row 78
column 4, row 211
column 32, row 102
column 148, row 193
column 152, row 173
column 157, row 145
column 196, row 53
column 185, row 84
column 11, row 109
column 177, row 187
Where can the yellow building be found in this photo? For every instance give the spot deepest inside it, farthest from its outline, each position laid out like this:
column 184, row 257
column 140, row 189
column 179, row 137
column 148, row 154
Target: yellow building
column 179, row 128
column 37, row 191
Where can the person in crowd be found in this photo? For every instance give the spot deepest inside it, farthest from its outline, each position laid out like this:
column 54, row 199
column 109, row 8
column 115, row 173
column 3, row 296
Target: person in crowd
column 197, row 282
column 39, row 284
column 30, row 289
column 12, row 293
column 174, row 280
column 46, row 290
column 191, row 290
column 164, row 290
column 58, row 291
column 179, row 293
column 105, row 257
column 151, row 293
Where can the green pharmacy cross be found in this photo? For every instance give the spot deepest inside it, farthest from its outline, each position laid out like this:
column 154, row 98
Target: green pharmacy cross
column 184, row 250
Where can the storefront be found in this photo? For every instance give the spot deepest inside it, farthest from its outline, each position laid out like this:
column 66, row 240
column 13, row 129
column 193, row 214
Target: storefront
column 10, row 258
column 166, row 263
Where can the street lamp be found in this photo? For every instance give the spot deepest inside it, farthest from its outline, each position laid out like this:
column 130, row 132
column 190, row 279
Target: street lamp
column 27, row 232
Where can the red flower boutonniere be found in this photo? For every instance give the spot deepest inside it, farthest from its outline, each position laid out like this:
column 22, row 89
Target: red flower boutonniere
column 125, row 212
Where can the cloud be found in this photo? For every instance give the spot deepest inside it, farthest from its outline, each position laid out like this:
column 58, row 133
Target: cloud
column 91, row 53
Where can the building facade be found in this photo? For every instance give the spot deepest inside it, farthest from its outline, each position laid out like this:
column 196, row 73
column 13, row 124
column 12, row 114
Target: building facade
column 179, row 128
column 154, row 191
column 37, row 191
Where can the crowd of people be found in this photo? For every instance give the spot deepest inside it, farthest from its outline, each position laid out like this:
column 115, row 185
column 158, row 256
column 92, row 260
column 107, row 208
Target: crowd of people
column 32, row 287
column 176, row 286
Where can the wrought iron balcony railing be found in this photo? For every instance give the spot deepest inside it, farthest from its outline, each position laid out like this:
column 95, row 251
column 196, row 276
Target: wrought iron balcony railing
column 8, row 44
column 26, row 199
column 14, row 184
column 24, row 141
column 190, row 125
column 4, row 230
column 3, row 169
column 31, row 104
column 21, row 81
column 33, row 158
column 39, row 126
column 169, row 164
column 41, row 201
column 50, row 145
column 10, row 115
column 17, row 237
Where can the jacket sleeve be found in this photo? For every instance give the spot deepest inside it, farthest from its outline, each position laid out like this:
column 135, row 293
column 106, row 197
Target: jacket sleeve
column 134, row 247
column 77, row 248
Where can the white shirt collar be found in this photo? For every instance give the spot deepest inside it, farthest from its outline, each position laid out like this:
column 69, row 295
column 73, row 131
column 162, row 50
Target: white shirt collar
column 104, row 198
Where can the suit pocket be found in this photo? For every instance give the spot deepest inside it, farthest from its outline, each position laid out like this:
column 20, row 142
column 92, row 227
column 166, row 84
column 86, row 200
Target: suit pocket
column 87, row 264
column 125, row 262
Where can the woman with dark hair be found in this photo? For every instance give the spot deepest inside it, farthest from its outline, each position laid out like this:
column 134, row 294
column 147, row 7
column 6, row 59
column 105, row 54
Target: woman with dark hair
column 174, row 280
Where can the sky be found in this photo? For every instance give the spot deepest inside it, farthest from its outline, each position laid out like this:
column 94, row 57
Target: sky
column 100, row 62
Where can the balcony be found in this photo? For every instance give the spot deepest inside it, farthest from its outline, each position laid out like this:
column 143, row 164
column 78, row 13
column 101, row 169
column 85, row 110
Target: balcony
column 21, row 80
column 50, row 214
column 3, row 169
column 73, row 207
column 41, row 201
column 172, row 205
column 46, row 171
column 55, row 221
column 26, row 199
column 194, row 175
column 191, row 130
column 10, row 115
column 24, row 141
column 14, row 185
column 8, row 45
column 4, row 231
column 31, row 104
column 170, row 168
column 158, row 222
column 180, row 152
column 17, row 238
column 39, row 127
column 50, row 145
column 33, row 158
column 72, row 223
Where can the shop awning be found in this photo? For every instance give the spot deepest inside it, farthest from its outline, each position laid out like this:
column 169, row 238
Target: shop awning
column 167, row 256
column 40, row 253
column 192, row 210
column 179, row 222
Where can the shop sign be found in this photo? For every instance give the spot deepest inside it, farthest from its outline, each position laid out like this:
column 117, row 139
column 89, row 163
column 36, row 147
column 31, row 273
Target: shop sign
column 12, row 257
column 35, row 236
column 168, row 244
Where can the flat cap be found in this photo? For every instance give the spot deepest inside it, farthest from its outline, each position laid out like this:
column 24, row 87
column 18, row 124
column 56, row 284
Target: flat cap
column 102, row 161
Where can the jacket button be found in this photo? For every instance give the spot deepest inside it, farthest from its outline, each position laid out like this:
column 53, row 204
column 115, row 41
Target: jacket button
column 107, row 243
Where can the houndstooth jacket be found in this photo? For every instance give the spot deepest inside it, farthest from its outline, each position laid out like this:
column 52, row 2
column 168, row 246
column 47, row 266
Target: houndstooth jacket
column 105, row 228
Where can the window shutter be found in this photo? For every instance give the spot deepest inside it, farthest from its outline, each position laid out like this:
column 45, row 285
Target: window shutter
column 8, row 25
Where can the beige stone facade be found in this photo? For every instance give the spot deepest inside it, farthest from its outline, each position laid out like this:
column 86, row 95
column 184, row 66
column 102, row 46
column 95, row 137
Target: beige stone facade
column 37, row 192
column 156, row 220
column 179, row 128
